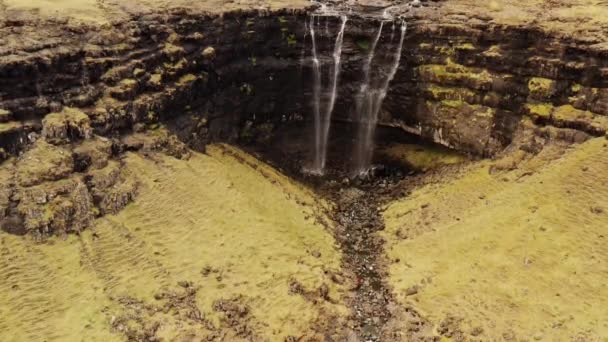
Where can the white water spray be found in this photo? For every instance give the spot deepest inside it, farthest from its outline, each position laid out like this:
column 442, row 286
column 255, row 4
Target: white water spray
column 369, row 106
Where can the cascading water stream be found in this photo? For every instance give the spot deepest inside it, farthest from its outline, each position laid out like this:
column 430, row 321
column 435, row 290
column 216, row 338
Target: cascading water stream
column 337, row 55
column 363, row 100
column 323, row 118
column 368, row 110
column 316, row 98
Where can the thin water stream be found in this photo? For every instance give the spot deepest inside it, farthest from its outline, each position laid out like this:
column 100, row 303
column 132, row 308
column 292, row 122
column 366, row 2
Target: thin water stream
column 324, row 99
column 377, row 76
column 370, row 100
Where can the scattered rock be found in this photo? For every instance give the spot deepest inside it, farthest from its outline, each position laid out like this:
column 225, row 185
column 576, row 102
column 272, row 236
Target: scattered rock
column 597, row 210
column 412, row 290
column 476, row 331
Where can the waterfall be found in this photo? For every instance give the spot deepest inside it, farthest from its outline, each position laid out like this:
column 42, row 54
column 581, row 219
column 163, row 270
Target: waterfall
column 316, row 98
column 363, row 100
column 369, row 104
column 322, row 119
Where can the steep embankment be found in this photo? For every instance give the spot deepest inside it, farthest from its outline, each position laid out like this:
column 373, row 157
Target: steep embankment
column 219, row 246
column 508, row 249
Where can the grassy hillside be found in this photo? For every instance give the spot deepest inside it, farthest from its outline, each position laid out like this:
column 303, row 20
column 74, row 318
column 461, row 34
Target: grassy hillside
column 509, row 249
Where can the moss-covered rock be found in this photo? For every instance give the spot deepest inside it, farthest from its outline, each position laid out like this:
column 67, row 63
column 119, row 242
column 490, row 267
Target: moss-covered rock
column 156, row 140
column 112, row 188
column 542, row 110
column 43, row 162
column 440, row 93
column 125, row 90
column 541, row 88
column 68, row 125
column 5, row 115
column 56, row 207
column 456, row 75
column 93, row 153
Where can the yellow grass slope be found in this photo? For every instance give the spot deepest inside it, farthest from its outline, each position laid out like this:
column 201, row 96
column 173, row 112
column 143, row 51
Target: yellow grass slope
column 231, row 226
column 104, row 12
column 510, row 255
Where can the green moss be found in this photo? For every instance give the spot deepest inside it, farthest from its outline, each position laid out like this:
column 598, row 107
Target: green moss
column 172, row 51
column 186, row 79
column 291, row 40
column 540, row 109
column 453, row 103
column 423, row 157
column 569, row 113
column 541, row 87
column 465, row 46
column 452, row 73
column 9, row 126
column 363, row 44
column 576, row 88
column 5, row 115
column 447, row 50
column 128, row 82
column 175, row 67
column 493, row 51
column 450, row 93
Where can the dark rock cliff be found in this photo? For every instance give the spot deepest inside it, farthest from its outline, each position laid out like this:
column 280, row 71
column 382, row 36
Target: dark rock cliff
column 476, row 87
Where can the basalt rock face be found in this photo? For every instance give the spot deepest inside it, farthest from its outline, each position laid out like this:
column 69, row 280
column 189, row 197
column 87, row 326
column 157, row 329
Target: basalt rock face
column 474, row 88
column 479, row 88
column 86, row 95
column 468, row 86
column 156, row 68
column 69, row 112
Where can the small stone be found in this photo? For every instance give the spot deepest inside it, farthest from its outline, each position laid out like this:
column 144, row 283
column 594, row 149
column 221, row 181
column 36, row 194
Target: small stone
column 184, row 284
column 477, row 331
column 324, row 291
column 411, row 291
column 597, row 210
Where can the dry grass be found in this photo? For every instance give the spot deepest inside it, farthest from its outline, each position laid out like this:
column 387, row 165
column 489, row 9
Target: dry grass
column 224, row 211
column 422, row 157
column 519, row 252
column 96, row 12
column 570, row 18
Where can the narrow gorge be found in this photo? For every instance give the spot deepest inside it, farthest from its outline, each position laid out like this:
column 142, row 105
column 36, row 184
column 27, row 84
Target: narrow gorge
column 273, row 170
